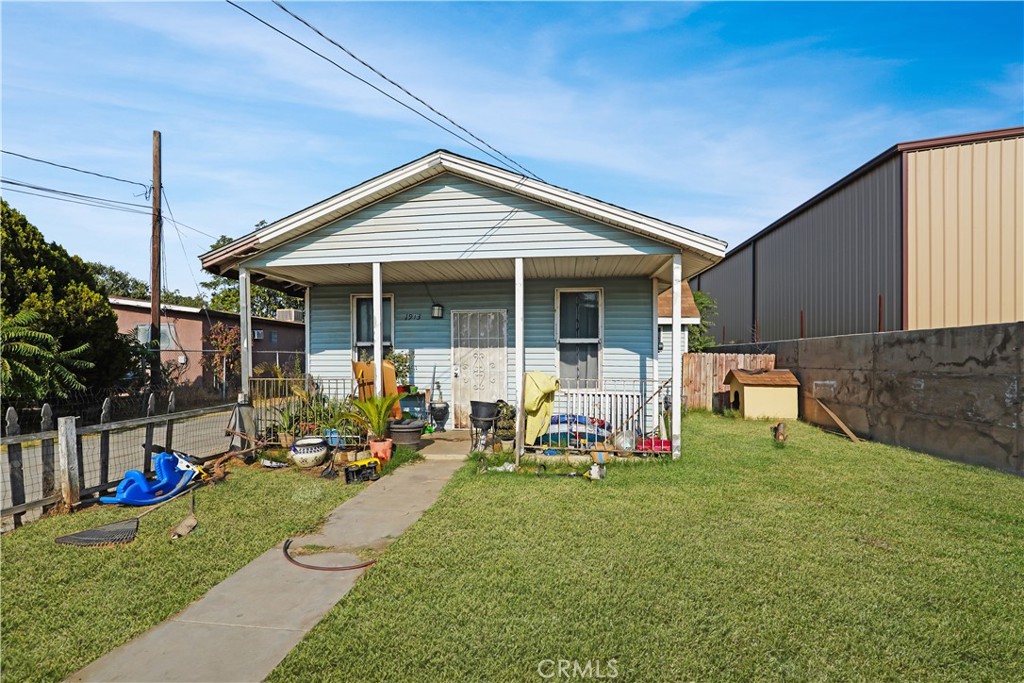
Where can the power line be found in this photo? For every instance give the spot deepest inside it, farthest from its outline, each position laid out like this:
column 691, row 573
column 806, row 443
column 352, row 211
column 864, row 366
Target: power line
column 73, row 201
column 89, row 200
column 188, row 263
column 405, row 90
column 366, row 82
column 147, row 188
column 71, row 197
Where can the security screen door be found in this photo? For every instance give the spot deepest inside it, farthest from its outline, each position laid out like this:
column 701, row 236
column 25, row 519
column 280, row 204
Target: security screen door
column 479, row 360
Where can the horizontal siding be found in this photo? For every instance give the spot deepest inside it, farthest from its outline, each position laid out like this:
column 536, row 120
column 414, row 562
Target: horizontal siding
column 965, row 233
column 730, row 284
column 627, row 352
column 328, row 323
column 453, row 218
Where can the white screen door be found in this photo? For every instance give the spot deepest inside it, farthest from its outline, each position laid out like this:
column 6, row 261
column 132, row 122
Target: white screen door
column 479, row 360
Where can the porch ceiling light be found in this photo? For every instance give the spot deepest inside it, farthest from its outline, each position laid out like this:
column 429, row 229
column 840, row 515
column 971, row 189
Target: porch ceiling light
column 437, row 311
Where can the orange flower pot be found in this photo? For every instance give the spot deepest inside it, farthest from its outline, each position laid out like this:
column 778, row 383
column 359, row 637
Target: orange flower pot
column 381, row 449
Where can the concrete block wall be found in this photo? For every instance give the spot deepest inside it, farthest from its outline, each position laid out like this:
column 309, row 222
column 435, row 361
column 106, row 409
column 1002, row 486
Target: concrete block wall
column 953, row 392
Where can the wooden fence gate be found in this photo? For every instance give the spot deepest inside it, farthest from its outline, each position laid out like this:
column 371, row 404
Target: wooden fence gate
column 704, row 376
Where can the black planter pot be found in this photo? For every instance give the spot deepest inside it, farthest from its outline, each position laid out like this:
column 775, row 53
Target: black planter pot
column 439, row 414
column 406, row 433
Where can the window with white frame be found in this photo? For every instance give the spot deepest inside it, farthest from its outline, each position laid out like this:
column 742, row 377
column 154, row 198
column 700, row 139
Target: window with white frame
column 362, row 325
column 579, row 329
column 168, row 340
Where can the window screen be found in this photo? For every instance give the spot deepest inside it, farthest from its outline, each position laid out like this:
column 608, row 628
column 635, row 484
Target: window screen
column 579, row 338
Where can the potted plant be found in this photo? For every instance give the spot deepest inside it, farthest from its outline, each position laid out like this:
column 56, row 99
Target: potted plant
column 287, row 426
column 506, row 426
column 373, row 415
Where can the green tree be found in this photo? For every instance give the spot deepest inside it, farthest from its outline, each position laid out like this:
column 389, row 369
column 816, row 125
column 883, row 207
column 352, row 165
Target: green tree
column 43, row 277
column 224, row 292
column 32, row 366
column 700, row 337
column 115, row 282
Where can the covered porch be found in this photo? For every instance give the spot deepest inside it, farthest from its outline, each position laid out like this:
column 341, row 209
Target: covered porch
column 590, row 321
column 481, row 276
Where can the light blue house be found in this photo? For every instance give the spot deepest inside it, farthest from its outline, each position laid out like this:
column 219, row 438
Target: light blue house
column 481, row 275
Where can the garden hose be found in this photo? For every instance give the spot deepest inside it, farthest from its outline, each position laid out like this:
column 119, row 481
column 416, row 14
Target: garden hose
column 291, row 559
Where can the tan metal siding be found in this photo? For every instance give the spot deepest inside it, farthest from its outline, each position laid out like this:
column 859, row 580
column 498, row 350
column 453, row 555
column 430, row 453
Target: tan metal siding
column 833, row 260
column 965, row 232
column 730, row 284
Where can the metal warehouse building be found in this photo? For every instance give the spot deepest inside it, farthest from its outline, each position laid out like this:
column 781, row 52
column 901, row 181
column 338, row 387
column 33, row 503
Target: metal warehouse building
column 928, row 234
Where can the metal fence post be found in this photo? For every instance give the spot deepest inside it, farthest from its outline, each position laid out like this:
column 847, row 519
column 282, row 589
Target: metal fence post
column 67, row 456
column 169, row 429
column 105, row 415
column 147, row 465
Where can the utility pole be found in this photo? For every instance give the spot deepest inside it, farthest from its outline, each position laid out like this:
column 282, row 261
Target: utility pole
column 154, row 268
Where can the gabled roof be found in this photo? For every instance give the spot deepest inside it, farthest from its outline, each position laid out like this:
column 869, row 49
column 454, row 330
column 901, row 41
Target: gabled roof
column 225, row 259
column 762, row 378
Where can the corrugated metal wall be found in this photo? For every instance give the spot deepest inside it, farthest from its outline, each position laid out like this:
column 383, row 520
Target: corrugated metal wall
column 731, row 285
column 833, row 260
column 965, row 234
column 628, row 326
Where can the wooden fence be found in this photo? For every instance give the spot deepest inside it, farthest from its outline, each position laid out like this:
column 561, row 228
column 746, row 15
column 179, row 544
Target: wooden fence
column 704, row 376
column 66, row 465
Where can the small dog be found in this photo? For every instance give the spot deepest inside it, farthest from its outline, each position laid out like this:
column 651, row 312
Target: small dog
column 779, row 432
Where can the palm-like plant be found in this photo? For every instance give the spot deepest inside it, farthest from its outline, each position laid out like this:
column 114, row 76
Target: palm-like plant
column 31, row 362
column 373, row 414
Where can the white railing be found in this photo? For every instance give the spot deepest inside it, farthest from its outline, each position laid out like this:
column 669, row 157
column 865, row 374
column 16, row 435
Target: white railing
column 617, row 406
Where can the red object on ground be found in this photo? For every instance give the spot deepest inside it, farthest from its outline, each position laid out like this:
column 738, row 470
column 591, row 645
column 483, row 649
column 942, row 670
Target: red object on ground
column 655, row 445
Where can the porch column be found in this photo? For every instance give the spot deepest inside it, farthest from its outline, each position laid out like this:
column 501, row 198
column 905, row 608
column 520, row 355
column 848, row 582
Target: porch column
column 378, row 331
column 677, row 354
column 520, row 314
column 656, row 337
column 245, row 325
column 306, row 330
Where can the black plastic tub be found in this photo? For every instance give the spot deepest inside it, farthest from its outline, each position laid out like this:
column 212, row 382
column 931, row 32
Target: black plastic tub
column 407, row 432
column 482, row 414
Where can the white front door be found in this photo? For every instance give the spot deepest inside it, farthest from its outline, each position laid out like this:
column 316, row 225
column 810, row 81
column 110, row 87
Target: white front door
column 479, row 360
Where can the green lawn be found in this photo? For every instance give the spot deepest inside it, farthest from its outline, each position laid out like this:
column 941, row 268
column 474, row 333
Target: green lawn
column 821, row 561
column 63, row 607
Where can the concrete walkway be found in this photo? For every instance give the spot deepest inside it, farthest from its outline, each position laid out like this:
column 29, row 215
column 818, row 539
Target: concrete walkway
column 242, row 628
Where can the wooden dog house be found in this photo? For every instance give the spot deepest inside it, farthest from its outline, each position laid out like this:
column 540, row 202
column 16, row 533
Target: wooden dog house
column 763, row 393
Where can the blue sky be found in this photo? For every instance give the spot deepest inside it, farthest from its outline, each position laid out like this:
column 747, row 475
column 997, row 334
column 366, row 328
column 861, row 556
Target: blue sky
column 719, row 116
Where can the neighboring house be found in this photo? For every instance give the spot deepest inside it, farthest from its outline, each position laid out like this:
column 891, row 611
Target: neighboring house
column 183, row 330
column 481, row 275
column 689, row 316
column 928, row 234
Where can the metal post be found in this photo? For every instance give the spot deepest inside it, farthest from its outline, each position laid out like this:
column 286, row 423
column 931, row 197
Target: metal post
column 520, row 313
column 677, row 354
column 245, row 306
column 378, row 330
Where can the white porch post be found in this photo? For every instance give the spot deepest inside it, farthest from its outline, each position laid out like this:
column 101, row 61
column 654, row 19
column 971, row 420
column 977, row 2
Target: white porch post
column 655, row 370
column 245, row 325
column 306, row 330
column 378, row 330
column 520, row 314
column 677, row 354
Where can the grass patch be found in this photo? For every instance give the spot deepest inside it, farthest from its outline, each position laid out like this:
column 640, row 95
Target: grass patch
column 63, row 607
column 820, row 561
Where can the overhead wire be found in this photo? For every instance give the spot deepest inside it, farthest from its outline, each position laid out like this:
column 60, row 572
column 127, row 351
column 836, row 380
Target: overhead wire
column 195, row 281
column 11, row 185
column 377, row 71
column 147, row 188
column 368, row 83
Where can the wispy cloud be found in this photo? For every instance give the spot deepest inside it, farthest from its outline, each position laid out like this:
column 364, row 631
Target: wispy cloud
column 660, row 107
